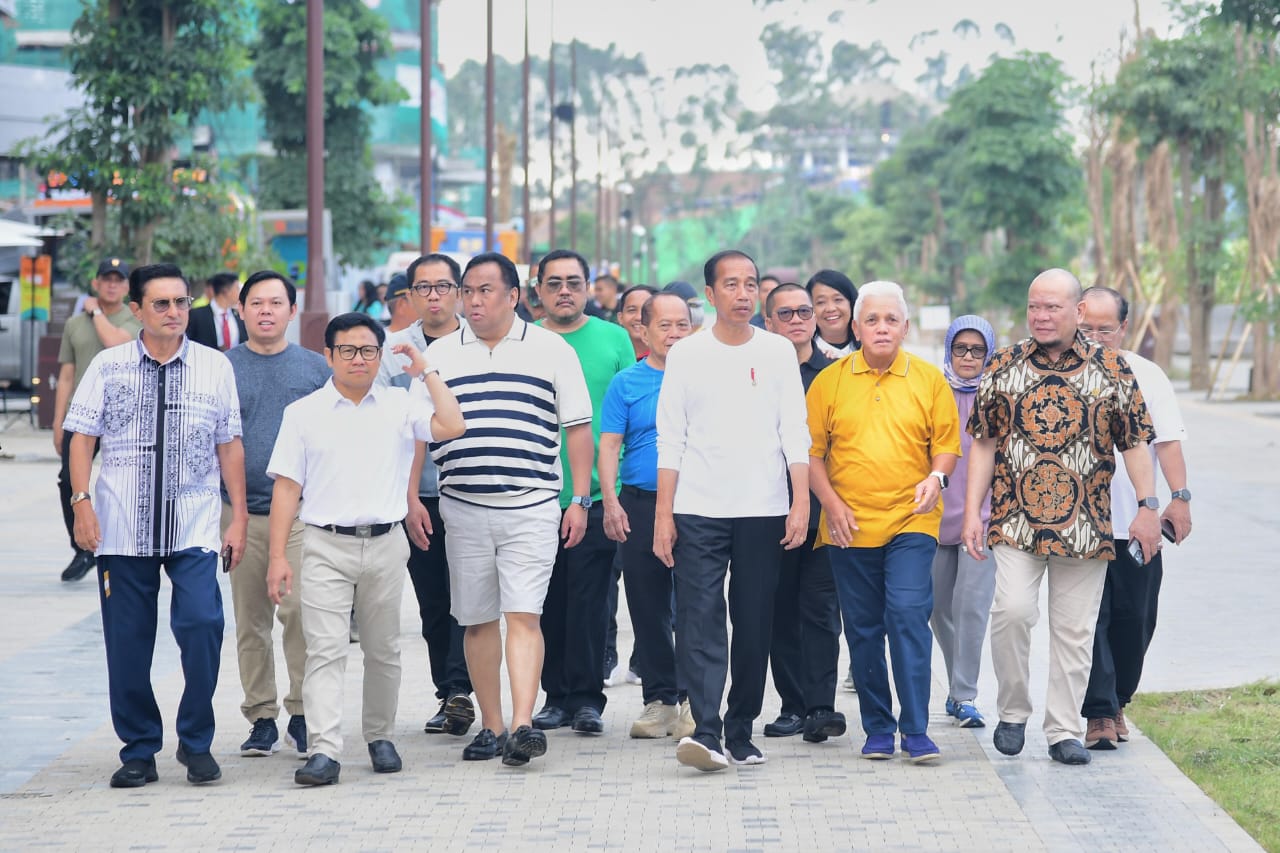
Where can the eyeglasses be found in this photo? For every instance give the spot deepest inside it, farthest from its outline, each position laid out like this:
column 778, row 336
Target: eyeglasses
column 977, row 351
column 347, row 352
column 573, row 285
column 440, row 288
column 1105, row 331
column 804, row 312
column 162, row 306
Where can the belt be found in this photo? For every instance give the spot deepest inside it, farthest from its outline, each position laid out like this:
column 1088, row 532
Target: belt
column 637, row 492
column 363, row 531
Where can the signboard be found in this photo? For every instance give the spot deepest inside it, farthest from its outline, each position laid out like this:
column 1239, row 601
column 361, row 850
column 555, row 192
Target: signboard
column 35, row 280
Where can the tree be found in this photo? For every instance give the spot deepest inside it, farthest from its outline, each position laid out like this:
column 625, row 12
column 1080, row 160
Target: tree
column 355, row 39
column 146, row 68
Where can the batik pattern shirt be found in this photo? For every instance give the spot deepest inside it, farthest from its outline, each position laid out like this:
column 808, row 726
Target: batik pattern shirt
column 1057, row 427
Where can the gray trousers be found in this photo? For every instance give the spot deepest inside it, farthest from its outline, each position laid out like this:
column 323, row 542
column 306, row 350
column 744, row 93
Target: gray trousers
column 962, row 593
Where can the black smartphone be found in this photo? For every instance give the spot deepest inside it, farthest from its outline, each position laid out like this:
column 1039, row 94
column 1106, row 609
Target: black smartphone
column 226, row 559
column 1166, row 529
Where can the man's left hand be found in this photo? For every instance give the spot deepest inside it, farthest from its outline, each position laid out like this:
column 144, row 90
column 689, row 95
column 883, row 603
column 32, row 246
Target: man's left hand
column 1178, row 513
column 797, row 530
column 928, row 491
column 418, row 523
column 574, row 525
column 1146, row 529
column 234, row 539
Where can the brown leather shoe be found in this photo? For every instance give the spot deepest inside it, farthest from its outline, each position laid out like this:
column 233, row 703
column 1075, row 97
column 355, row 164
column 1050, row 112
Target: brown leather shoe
column 1122, row 728
column 1101, row 734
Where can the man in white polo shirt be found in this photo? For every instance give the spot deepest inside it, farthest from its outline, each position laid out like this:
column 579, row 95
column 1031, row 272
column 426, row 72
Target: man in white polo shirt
column 518, row 386
column 344, row 451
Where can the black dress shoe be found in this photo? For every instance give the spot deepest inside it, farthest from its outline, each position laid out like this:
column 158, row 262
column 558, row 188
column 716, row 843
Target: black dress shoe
column 384, row 757
column 1070, row 751
column 822, row 724
column 525, row 743
column 551, row 717
column 436, row 724
column 200, row 766
column 484, row 746
column 79, row 566
column 319, row 770
column 587, row 721
column 459, row 714
column 785, row 726
column 1009, row 738
column 135, row 773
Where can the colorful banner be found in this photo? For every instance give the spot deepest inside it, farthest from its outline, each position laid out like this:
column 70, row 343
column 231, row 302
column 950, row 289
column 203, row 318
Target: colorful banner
column 35, row 278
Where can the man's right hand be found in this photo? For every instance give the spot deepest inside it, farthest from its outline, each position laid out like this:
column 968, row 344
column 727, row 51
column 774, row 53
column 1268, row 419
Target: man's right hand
column 616, row 523
column 279, row 572
column 973, row 539
column 418, row 524
column 664, row 539
column 840, row 523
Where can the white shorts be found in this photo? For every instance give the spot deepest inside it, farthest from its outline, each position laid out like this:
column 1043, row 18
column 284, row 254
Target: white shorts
column 500, row 560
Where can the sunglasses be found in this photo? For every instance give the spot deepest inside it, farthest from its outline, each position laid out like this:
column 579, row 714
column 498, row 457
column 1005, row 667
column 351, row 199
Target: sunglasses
column 960, row 351
column 804, row 312
column 162, row 306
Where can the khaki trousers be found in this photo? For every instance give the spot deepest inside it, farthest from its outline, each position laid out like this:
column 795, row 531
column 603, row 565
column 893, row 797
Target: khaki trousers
column 1075, row 593
column 255, row 615
column 339, row 570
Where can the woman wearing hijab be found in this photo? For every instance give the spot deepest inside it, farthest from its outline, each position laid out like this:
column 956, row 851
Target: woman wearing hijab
column 962, row 586
column 833, row 296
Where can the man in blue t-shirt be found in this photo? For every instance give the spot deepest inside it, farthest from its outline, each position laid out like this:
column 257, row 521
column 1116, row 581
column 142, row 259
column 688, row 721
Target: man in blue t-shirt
column 628, row 422
column 270, row 374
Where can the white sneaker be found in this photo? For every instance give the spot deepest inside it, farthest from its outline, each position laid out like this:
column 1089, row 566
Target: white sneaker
column 684, row 726
column 693, row 754
column 656, row 721
column 630, row 677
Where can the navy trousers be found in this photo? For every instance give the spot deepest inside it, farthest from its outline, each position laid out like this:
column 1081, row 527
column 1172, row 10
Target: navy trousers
column 429, row 572
column 1126, row 624
column 806, row 631
column 649, row 585
column 129, row 589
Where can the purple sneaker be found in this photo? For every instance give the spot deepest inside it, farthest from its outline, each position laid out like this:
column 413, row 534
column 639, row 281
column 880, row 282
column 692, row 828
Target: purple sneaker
column 878, row 747
column 920, row 748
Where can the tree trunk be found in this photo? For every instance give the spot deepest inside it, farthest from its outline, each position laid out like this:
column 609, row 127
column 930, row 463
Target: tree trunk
column 1199, row 325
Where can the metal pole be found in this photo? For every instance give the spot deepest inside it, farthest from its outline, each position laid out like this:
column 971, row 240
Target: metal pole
column 551, row 134
column 426, row 140
column 527, row 248
column 599, row 195
column 312, row 328
column 488, row 129
column 573, row 146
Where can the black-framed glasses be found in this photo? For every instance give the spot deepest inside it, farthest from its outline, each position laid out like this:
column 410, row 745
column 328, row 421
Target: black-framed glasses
column 573, row 285
column 162, row 306
column 440, row 288
column 978, row 351
column 804, row 312
column 347, row 352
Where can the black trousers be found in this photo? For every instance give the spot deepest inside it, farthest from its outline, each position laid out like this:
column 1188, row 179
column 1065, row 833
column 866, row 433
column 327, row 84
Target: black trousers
column 1126, row 624
column 704, row 549
column 611, row 635
column 649, row 584
column 64, row 487
column 806, row 631
column 429, row 572
column 575, row 618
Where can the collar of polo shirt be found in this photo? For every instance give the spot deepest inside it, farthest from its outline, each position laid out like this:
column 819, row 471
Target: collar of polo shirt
column 901, row 362
column 515, row 333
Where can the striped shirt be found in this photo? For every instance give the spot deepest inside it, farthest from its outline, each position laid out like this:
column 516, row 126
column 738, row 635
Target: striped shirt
column 515, row 399
column 158, row 491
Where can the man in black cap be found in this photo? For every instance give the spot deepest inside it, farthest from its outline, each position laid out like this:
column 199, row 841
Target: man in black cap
column 104, row 322
column 403, row 312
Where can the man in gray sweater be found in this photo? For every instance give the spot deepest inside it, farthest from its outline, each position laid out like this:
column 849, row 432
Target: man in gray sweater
column 270, row 374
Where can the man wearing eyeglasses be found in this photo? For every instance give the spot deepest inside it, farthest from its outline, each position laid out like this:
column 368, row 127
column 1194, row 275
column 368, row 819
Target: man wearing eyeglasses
column 352, row 504
column 166, row 412
column 433, row 282
column 575, row 618
column 806, row 614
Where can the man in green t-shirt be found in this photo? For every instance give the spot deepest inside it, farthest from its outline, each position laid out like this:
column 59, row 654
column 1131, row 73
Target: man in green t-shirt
column 105, row 322
column 574, row 614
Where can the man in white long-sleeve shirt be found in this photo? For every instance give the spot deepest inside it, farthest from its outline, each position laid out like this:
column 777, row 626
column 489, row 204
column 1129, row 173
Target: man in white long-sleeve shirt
column 731, row 429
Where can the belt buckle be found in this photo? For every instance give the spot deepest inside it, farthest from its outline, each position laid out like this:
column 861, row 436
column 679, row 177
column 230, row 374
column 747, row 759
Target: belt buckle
column 364, row 531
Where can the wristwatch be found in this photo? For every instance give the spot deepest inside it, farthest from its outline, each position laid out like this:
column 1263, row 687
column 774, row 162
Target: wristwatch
column 93, row 313
column 583, row 501
column 77, row 497
column 1181, row 495
column 1149, row 503
column 943, row 479
column 427, row 372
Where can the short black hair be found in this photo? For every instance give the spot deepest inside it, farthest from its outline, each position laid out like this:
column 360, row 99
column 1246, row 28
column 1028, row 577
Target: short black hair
column 141, row 275
column 836, row 280
column 351, row 320
column 1122, row 304
column 510, row 276
column 269, row 275
column 647, row 309
column 783, row 288
column 561, row 254
column 635, row 288
column 612, row 279
column 435, row 258
column 221, row 282
column 709, row 268
column 771, row 277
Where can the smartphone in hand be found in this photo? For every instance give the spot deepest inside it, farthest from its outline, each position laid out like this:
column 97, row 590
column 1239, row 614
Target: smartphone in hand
column 226, row 559
column 1166, row 529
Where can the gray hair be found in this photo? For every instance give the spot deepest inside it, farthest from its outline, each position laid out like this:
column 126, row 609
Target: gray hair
column 880, row 288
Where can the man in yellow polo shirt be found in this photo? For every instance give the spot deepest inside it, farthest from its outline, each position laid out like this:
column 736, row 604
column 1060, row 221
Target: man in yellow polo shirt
column 886, row 435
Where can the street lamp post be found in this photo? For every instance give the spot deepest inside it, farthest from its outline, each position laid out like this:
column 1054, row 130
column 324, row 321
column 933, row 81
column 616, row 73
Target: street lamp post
column 316, row 315
column 426, row 133
column 488, row 128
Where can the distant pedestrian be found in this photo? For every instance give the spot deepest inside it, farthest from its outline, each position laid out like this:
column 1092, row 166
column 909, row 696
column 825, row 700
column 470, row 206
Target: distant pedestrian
column 218, row 324
column 629, row 305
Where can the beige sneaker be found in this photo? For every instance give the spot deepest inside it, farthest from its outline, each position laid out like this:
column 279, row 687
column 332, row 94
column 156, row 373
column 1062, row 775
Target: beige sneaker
column 683, row 726
column 656, row 721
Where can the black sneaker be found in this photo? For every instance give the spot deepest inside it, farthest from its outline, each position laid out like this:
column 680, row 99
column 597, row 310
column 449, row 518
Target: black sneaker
column 296, row 734
column 135, row 773
column 200, row 766
column 459, row 713
column 79, row 566
column 785, row 726
column 435, row 725
column 484, row 746
column 822, row 724
column 264, row 739
column 525, row 743
column 744, row 752
column 587, row 721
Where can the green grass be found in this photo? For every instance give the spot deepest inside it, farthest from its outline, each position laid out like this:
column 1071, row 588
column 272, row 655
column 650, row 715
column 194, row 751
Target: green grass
column 1228, row 743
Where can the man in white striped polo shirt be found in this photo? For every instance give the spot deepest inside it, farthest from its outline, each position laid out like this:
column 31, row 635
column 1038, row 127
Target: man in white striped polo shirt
column 518, row 386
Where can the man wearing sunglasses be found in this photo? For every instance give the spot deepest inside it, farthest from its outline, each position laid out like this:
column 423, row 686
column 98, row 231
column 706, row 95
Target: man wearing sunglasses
column 432, row 293
column 166, row 412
